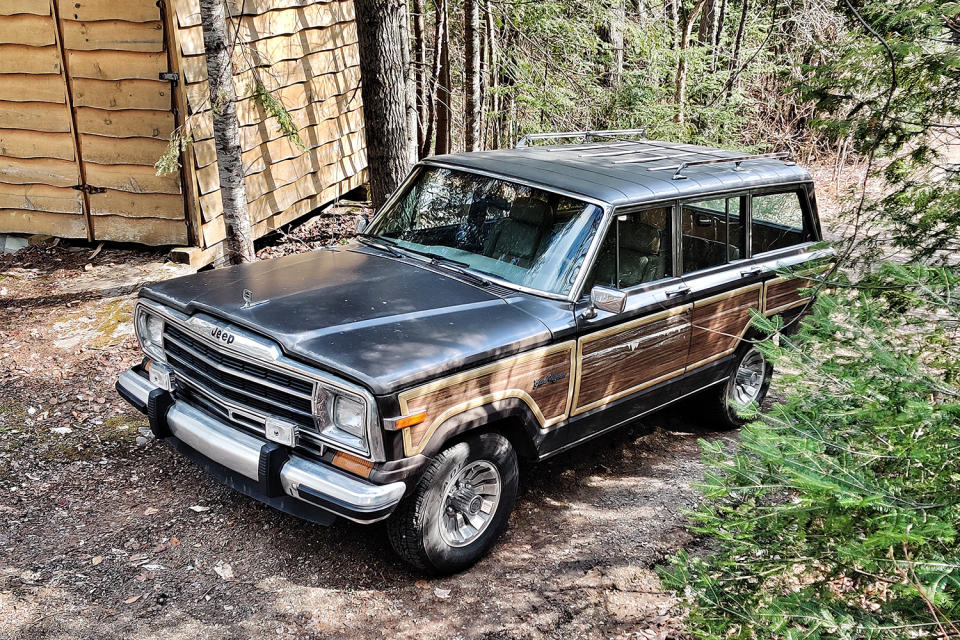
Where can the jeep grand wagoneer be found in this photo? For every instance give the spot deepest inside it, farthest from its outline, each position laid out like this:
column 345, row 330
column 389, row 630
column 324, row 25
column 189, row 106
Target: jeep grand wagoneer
column 503, row 305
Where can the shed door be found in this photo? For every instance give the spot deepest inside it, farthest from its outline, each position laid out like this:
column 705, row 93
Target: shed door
column 83, row 118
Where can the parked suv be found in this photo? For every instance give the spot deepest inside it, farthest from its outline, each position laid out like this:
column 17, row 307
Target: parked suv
column 502, row 305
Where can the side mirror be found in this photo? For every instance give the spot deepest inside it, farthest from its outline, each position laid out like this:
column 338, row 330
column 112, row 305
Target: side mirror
column 608, row 299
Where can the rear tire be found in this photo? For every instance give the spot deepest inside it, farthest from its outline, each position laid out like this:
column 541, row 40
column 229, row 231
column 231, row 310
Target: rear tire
column 747, row 385
column 460, row 507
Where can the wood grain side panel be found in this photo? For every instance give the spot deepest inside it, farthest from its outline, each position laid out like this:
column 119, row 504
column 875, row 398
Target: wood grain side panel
column 618, row 362
column 784, row 293
column 719, row 324
column 541, row 378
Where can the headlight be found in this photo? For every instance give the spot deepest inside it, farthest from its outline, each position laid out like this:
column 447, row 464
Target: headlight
column 342, row 418
column 150, row 334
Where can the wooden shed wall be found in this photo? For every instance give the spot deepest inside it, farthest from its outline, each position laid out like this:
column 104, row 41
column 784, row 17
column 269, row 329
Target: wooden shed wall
column 305, row 52
column 102, row 57
column 106, row 65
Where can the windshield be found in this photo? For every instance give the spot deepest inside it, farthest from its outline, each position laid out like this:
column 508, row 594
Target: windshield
column 520, row 234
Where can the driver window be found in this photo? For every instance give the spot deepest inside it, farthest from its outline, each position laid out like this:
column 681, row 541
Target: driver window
column 635, row 250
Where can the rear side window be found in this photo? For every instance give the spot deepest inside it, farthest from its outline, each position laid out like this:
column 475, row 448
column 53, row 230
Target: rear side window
column 635, row 250
column 777, row 221
column 712, row 232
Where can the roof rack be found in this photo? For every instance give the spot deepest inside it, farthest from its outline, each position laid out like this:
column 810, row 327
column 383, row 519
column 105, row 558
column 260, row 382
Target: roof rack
column 586, row 136
column 678, row 175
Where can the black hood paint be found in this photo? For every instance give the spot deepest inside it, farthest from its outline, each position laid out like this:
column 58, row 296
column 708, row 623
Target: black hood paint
column 383, row 322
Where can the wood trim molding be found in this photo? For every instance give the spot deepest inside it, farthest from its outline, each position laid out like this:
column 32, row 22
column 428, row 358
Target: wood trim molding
column 620, row 328
column 517, row 375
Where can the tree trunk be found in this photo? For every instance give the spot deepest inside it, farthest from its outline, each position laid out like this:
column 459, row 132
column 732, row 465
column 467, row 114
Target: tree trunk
column 611, row 34
column 737, row 45
column 472, row 99
column 708, row 24
column 672, row 9
column 443, row 80
column 410, row 88
column 434, row 81
column 419, row 64
column 718, row 35
column 680, row 82
column 490, row 75
column 226, row 132
column 380, row 26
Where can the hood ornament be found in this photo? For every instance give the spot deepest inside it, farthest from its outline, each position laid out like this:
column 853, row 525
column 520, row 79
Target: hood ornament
column 248, row 302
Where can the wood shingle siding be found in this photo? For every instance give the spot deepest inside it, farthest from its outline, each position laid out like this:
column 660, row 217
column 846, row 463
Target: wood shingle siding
column 82, row 102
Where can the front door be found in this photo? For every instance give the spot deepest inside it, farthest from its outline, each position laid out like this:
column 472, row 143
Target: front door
column 619, row 355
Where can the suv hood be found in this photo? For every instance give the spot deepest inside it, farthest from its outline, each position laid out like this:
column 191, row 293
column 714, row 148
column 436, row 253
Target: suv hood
column 383, row 322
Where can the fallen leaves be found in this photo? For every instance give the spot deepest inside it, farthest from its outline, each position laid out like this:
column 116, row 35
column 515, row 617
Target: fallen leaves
column 199, row 509
column 96, row 560
column 133, row 599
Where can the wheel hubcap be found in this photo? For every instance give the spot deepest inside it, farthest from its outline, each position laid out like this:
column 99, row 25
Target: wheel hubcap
column 469, row 502
column 748, row 380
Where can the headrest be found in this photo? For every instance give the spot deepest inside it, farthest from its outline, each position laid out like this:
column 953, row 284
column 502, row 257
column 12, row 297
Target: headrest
column 640, row 237
column 530, row 211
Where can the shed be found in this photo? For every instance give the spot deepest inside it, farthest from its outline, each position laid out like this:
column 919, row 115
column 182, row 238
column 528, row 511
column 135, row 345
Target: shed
column 91, row 90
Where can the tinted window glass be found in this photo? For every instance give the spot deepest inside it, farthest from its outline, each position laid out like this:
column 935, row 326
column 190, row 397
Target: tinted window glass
column 527, row 236
column 635, row 250
column 777, row 221
column 712, row 232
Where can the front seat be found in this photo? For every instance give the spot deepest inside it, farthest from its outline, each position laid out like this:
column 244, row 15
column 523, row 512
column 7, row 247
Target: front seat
column 516, row 237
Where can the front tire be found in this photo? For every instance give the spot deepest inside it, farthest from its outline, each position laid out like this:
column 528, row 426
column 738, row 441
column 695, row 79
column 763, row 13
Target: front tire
column 747, row 385
column 460, row 507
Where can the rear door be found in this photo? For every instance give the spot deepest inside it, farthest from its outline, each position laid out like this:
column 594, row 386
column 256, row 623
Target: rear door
column 723, row 289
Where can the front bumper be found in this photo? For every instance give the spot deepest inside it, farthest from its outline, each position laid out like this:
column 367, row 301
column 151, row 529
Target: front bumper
column 257, row 467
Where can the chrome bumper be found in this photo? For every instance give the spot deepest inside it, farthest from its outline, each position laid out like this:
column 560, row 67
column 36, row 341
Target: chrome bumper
column 311, row 482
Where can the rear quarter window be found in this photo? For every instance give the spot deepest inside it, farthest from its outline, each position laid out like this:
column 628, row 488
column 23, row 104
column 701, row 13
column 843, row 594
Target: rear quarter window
column 777, row 221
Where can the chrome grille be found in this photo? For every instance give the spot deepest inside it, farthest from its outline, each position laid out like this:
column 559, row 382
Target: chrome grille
column 244, row 391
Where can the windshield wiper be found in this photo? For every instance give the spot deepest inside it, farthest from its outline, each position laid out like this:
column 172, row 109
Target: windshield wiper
column 453, row 265
column 378, row 243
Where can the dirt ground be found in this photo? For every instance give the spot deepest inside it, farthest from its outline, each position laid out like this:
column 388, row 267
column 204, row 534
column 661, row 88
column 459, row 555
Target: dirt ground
column 109, row 534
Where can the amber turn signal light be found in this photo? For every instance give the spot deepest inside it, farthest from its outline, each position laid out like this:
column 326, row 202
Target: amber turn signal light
column 412, row 419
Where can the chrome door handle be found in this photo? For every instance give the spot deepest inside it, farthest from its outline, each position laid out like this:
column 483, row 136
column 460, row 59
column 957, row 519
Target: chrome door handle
column 752, row 271
column 679, row 291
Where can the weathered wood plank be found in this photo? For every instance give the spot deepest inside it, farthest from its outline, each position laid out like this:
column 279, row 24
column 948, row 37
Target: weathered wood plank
column 251, row 116
column 263, row 192
column 268, row 132
column 137, row 205
column 294, row 97
column 105, row 150
column 129, row 123
column 121, row 94
column 274, row 23
column 151, row 231
column 20, row 87
column 116, row 35
column 270, row 52
column 59, row 173
column 28, row 29
column 214, row 231
column 62, row 225
column 95, row 10
column 35, row 116
column 132, row 178
column 18, row 58
column 116, row 65
column 40, row 197
column 188, row 11
column 14, row 7
column 18, row 143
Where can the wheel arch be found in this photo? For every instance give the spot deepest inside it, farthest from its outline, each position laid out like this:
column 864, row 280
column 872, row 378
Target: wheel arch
column 511, row 417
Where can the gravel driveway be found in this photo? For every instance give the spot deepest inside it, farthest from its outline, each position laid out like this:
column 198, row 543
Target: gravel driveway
column 109, row 534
